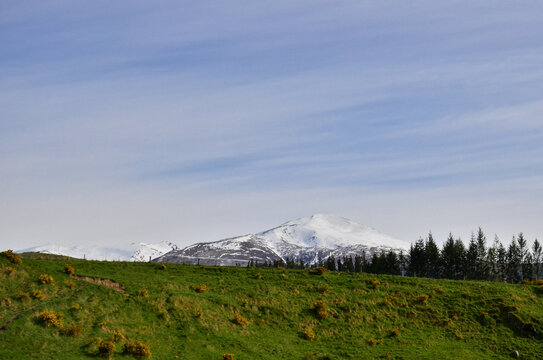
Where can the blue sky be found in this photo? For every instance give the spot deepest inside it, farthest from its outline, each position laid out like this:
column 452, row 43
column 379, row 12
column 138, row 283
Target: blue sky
column 194, row 121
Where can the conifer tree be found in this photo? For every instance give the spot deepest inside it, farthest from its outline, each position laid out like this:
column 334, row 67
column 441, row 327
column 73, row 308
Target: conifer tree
column 417, row 262
column 538, row 259
column 481, row 262
column 492, row 262
column 431, row 254
column 331, row 263
column 523, row 251
column 514, row 262
column 471, row 259
column 358, row 263
column 392, row 263
column 448, row 259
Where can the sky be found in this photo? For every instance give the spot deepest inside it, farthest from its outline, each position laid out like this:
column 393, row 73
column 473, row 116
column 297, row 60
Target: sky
column 189, row 121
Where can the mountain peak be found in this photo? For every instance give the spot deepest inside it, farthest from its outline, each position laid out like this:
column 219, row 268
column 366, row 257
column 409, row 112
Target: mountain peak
column 329, row 231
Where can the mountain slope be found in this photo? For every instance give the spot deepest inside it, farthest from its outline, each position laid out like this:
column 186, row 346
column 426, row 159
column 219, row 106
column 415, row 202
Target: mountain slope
column 309, row 239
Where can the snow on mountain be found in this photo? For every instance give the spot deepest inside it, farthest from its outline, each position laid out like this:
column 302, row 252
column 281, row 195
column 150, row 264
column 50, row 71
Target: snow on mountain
column 145, row 251
column 328, row 231
column 309, row 239
column 132, row 252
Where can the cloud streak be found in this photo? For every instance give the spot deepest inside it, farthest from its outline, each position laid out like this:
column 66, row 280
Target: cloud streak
column 142, row 122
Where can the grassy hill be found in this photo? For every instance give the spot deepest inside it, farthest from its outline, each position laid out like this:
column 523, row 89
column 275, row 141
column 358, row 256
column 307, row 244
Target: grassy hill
column 199, row 312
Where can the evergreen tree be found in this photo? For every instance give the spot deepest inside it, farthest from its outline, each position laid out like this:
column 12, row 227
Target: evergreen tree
column 403, row 263
column 358, row 263
column 492, row 261
column 538, row 259
column 447, row 259
column 481, row 262
column 340, row 265
column 501, row 259
column 523, row 250
column 431, row 254
column 392, row 263
column 528, row 267
column 331, row 263
column 460, row 259
column 471, row 259
column 514, row 262
column 417, row 261
column 348, row 263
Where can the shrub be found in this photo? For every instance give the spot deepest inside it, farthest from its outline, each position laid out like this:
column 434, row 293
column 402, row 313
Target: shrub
column 24, row 297
column 49, row 319
column 68, row 269
column 11, row 256
column 72, row 330
column 106, row 348
column 240, row 320
column 137, row 349
column 46, row 279
column 374, row 342
column 395, row 332
column 319, row 307
column 309, row 334
column 199, row 288
column 422, row 298
column 258, row 276
column 143, row 292
column 162, row 267
column 228, row 356
column 319, row 270
column 75, row 307
column 245, row 303
column 374, row 283
column 323, row 289
column 10, row 270
column 37, row 294
column 117, row 336
column 533, row 282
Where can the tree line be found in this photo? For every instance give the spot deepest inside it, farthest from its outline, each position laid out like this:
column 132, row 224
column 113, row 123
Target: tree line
column 476, row 261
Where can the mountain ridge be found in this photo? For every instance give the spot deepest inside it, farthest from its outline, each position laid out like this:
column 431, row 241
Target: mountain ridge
column 310, row 239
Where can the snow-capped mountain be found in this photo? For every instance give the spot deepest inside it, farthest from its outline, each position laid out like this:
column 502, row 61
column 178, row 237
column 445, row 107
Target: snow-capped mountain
column 132, row 252
column 309, row 239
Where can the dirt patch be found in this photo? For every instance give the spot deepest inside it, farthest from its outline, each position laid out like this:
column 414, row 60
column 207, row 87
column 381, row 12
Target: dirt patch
column 104, row 282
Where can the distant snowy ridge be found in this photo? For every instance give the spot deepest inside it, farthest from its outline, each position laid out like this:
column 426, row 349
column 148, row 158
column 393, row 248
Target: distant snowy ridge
column 132, row 252
column 310, row 239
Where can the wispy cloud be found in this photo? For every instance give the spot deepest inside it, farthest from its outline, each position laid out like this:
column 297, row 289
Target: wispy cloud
column 139, row 121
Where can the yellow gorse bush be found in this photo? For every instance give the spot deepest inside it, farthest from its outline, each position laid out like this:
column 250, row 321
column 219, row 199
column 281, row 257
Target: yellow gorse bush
column 320, row 309
column 68, row 269
column 106, row 348
column 309, row 334
column 14, row 258
column 49, row 318
column 137, row 349
column 46, row 279
column 240, row 320
column 37, row 294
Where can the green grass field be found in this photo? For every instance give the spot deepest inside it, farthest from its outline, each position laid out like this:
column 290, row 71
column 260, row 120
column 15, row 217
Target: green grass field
column 362, row 316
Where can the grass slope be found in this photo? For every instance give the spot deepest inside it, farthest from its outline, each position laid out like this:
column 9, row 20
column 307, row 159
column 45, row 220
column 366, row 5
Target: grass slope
column 392, row 317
